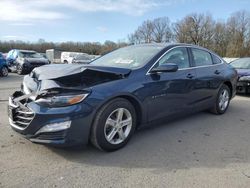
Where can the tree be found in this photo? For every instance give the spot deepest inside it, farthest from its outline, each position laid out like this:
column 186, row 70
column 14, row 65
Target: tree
column 157, row 30
column 195, row 29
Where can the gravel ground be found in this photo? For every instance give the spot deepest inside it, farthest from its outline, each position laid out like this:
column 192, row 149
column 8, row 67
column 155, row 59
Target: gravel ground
column 202, row 150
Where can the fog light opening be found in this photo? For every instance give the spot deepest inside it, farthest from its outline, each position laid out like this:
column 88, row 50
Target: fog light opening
column 54, row 127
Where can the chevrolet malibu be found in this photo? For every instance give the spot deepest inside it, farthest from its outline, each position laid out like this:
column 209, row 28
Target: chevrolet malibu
column 105, row 101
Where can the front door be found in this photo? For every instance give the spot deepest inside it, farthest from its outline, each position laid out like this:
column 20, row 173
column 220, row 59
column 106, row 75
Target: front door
column 170, row 92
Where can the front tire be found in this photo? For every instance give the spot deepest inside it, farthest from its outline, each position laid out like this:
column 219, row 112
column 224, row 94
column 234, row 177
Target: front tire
column 222, row 100
column 19, row 69
column 114, row 125
column 4, row 71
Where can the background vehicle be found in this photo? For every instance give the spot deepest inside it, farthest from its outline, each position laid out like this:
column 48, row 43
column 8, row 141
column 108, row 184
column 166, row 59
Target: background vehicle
column 53, row 55
column 3, row 66
column 105, row 101
column 242, row 66
column 82, row 59
column 67, row 57
column 24, row 61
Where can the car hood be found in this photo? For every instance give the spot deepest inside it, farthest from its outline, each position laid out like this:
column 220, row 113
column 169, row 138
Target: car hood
column 243, row 72
column 70, row 77
column 55, row 71
column 37, row 60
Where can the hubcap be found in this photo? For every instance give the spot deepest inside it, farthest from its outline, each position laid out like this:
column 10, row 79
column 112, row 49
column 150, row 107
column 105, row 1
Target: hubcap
column 118, row 126
column 5, row 71
column 223, row 100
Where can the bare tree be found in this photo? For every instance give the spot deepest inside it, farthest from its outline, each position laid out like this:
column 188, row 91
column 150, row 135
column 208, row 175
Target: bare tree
column 157, row 30
column 196, row 29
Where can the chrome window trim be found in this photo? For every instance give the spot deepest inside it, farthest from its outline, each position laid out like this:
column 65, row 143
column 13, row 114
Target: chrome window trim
column 222, row 62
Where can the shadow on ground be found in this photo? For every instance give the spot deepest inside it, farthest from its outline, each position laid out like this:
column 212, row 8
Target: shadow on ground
column 200, row 140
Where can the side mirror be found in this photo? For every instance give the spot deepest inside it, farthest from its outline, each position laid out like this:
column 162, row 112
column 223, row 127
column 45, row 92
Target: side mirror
column 169, row 67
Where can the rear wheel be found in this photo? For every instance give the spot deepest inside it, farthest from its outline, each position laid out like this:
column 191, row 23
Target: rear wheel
column 4, row 71
column 222, row 101
column 114, row 125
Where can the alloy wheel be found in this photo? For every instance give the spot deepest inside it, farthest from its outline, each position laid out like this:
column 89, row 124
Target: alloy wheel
column 118, row 126
column 5, row 71
column 223, row 99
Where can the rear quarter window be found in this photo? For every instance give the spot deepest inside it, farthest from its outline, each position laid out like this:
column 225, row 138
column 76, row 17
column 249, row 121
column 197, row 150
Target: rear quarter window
column 201, row 57
column 216, row 60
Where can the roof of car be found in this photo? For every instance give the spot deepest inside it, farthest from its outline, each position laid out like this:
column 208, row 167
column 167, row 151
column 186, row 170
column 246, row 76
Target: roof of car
column 167, row 44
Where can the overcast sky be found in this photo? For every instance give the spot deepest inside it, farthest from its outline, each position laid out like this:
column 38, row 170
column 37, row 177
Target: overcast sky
column 97, row 20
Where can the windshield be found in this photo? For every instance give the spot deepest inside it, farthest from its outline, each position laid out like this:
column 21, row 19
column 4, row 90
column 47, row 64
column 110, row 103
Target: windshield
column 243, row 63
column 30, row 55
column 131, row 57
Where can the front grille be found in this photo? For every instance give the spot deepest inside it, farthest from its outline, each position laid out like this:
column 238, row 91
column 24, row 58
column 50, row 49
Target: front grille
column 51, row 135
column 22, row 116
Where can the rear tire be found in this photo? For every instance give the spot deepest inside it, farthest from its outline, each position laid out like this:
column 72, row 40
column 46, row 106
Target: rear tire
column 222, row 100
column 114, row 125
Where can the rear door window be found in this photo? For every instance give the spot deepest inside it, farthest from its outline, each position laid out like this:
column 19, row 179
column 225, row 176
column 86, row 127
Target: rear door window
column 201, row 57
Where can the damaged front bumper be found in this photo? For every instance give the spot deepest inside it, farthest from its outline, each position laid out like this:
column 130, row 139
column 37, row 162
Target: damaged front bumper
column 243, row 85
column 64, row 126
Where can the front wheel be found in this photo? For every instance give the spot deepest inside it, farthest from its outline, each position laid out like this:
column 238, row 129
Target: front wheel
column 4, row 71
column 222, row 100
column 114, row 125
column 19, row 69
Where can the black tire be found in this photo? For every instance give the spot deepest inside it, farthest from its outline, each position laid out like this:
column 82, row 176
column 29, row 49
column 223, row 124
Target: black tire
column 4, row 71
column 217, row 109
column 19, row 69
column 97, row 137
column 65, row 62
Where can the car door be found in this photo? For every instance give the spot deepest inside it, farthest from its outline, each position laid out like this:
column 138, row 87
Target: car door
column 169, row 93
column 209, row 74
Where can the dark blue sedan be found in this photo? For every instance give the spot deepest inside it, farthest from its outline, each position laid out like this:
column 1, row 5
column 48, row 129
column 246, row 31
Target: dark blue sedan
column 106, row 101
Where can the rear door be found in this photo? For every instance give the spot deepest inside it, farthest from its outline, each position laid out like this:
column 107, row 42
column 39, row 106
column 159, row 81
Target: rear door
column 170, row 92
column 209, row 72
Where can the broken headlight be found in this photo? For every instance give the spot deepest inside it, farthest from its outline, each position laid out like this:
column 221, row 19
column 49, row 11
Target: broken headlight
column 61, row 101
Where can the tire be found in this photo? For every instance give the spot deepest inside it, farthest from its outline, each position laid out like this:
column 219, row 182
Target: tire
column 4, row 71
column 65, row 62
column 19, row 69
column 112, row 136
column 220, row 107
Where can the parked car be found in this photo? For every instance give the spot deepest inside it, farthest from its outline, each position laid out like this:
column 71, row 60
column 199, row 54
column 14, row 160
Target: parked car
column 3, row 66
column 105, row 101
column 24, row 61
column 67, row 57
column 242, row 66
column 82, row 59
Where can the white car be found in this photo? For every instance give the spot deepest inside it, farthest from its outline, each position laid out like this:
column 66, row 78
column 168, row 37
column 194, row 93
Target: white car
column 67, row 57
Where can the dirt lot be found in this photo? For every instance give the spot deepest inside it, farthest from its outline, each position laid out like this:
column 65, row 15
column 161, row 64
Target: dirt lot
column 202, row 150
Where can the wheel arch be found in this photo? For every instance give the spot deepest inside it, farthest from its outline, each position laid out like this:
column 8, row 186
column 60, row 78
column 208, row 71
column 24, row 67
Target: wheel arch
column 134, row 102
column 229, row 84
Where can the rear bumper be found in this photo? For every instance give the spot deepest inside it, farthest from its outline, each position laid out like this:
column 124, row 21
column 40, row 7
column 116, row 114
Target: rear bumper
column 79, row 115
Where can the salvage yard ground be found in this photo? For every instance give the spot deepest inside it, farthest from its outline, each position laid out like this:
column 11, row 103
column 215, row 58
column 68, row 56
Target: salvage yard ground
column 202, row 150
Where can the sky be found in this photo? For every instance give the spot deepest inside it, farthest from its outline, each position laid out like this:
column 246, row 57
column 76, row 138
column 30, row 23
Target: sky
column 97, row 20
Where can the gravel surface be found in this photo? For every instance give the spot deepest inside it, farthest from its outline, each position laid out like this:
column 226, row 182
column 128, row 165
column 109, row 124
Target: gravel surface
column 202, row 150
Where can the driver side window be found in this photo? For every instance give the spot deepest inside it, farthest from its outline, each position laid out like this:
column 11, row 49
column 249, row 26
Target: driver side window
column 178, row 56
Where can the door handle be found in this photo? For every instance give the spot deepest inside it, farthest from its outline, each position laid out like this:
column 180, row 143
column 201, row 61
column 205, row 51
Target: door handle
column 217, row 72
column 190, row 76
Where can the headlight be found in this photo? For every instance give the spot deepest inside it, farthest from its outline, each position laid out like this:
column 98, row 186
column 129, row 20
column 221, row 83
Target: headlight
column 61, row 101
